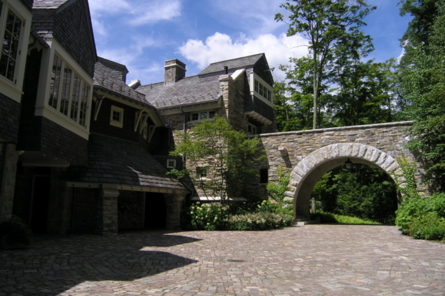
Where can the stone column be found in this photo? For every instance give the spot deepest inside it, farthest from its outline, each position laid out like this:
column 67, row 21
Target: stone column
column 174, row 206
column 109, row 194
column 8, row 169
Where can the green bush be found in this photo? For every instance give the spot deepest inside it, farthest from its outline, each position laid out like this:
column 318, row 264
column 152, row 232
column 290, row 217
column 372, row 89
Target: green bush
column 14, row 234
column 239, row 216
column 208, row 216
column 258, row 221
column 430, row 226
column 416, row 208
column 423, row 218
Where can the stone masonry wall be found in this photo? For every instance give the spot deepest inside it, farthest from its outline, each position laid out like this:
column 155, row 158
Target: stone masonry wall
column 287, row 149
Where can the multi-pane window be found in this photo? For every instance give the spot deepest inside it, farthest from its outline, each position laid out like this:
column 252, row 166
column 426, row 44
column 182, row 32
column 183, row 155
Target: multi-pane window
column 68, row 93
column 263, row 90
column 204, row 115
column 252, row 129
column 10, row 33
column 171, row 163
column 117, row 116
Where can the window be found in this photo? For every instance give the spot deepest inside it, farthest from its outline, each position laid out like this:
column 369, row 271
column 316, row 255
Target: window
column 171, row 163
column 251, row 129
column 264, row 175
column 201, row 172
column 9, row 47
column 117, row 116
column 198, row 116
column 261, row 89
column 68, row 93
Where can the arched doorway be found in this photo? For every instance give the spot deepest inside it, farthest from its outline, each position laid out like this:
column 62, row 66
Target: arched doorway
column 309, row 170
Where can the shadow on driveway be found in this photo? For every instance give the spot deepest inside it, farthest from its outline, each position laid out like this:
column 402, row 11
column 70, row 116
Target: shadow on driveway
column 55, row 264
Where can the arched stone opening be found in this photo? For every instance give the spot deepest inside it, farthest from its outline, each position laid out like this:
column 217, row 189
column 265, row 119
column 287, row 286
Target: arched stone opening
column 309, row 170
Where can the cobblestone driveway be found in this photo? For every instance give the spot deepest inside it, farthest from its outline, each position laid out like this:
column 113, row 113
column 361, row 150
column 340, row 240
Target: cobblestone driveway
column 309, row 260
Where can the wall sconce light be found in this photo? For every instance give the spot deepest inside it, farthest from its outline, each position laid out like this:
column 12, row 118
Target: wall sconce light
column 349, row 164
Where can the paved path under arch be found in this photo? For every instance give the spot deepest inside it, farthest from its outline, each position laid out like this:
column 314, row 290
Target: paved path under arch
column 309, row 260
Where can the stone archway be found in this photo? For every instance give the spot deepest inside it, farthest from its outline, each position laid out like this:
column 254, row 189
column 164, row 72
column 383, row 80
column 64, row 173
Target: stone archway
column 310, row 169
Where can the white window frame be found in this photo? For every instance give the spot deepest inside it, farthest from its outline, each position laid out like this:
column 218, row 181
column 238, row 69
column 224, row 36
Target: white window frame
column 253, row 129
column 171, row 163
column 116, row 110
column 13, row 88
column 256, row 80
column 46, row 72
column 202, row 115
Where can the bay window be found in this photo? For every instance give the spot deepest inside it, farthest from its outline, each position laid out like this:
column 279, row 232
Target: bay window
column 68, row 92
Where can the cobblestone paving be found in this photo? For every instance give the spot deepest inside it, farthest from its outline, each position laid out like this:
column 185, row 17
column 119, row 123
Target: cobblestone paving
column 309, row 260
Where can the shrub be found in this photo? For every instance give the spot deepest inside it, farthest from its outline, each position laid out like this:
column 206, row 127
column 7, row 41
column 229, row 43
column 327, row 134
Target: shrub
column 208, row 216
column 430, row 226
column 14, row 234
column 258, row 221
column 416, row 208
column 423, row 218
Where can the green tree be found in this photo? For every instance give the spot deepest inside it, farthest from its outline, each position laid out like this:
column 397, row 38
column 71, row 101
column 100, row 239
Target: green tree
column 219, row 159
column 365, row 93
column 366, row 192
column 423, row 84
column 331, row 26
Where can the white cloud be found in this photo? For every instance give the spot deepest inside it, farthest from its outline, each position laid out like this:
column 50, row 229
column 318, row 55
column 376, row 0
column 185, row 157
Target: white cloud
column 255, row 17
column 155, row 11
column 219, row 47
column 136, row 12
column 111, row 6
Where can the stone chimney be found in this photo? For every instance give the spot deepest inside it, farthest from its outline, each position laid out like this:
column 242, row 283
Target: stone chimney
column 174, row 70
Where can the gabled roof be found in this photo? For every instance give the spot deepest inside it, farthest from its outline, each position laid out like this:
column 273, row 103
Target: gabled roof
column 233, row 64
column 189, row 90
column 69, row 22
column 108, row 75
column 115, row 161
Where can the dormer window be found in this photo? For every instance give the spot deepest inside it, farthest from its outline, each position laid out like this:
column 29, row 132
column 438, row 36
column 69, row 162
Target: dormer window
column 117, row 116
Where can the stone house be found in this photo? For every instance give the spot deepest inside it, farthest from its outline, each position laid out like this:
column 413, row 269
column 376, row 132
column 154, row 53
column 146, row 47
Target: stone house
column 239, row 90
column 83, row 152
column 74, row 150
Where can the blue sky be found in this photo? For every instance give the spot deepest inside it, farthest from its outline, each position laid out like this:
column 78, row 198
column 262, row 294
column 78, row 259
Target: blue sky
column 143, row 34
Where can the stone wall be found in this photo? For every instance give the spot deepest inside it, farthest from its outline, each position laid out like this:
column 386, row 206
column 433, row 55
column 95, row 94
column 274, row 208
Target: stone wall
column 289, row 149
column 390, row 137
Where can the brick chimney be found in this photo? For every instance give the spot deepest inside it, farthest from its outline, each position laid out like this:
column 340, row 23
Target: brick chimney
column 174, row 70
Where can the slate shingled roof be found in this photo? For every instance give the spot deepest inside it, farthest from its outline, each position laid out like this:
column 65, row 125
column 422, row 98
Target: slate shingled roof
column 189, row 90
column 233, row 64
column 114, row 161
column 108, row 75
column 48, row 4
